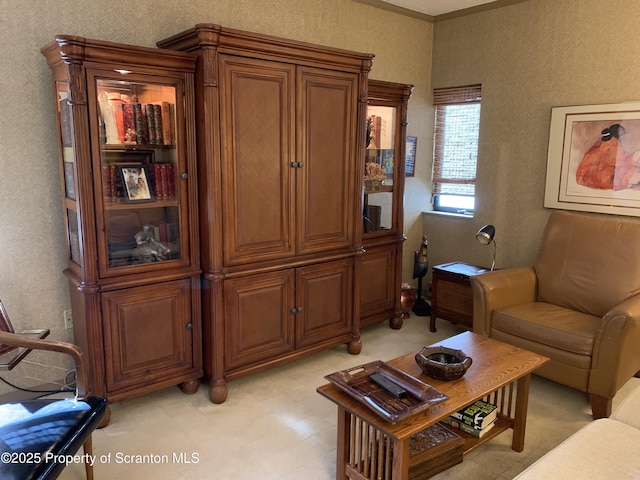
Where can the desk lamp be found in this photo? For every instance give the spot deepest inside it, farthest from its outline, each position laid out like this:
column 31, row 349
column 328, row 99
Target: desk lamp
column 485, row 236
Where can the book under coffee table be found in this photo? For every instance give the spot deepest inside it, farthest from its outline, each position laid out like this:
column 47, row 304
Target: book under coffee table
column 370, row 447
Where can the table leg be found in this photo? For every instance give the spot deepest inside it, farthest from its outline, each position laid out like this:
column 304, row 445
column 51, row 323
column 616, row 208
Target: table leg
column 520, row 415
column 342, row 445
column 400, row 459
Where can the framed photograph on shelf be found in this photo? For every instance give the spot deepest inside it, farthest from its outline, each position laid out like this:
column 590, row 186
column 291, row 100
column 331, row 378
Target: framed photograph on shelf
column 136, row 181
column 593, row 162
column 410, row 157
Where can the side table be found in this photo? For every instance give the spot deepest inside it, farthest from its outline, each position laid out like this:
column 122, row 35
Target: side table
column 451, row 297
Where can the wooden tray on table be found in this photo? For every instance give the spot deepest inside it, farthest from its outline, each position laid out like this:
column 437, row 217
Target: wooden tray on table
column 357, row 382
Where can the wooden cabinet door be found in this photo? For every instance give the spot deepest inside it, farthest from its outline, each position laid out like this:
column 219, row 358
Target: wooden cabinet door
column 378, row 274
column 147, row 334
column 323, row 295
column 257, row 121
column 326, row 113
column 258, row 317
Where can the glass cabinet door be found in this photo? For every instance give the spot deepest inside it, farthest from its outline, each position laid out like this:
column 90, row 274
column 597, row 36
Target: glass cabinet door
column 380, row 169
column 68, row 171
column 141, row 169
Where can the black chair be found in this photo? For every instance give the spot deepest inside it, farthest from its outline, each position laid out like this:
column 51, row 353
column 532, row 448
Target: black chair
column 36, row 434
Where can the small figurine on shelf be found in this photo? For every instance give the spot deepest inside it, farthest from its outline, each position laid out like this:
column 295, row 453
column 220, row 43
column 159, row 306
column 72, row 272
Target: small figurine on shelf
column 420, row 267
column 374, row 175
column 149, row 249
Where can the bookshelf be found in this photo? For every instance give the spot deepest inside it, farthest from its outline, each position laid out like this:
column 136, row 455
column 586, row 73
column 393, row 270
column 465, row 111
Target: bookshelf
column 382, row 216
column 126, row 143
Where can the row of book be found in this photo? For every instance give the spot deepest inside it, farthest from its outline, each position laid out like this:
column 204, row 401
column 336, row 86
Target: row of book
column 128, row 122
column 476, row 419
column 165, row 233
column 162, row 181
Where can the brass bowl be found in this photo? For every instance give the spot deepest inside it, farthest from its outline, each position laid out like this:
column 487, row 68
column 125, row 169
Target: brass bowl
column 443, row 363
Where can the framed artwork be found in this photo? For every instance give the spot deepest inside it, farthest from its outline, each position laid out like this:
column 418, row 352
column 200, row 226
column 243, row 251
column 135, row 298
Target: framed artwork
column 410, row 157
column 593, row 162
column 136, row 183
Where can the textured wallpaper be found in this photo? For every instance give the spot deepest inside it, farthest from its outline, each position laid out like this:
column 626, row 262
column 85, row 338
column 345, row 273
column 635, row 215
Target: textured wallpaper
column 529, row 57
column 32, row 256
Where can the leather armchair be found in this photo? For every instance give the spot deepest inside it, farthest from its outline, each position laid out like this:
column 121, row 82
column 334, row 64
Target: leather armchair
column 579, row 304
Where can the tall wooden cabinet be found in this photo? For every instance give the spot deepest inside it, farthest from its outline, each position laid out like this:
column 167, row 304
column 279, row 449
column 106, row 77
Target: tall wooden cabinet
column 281, row 127
column 126, row 143
column 381, row 270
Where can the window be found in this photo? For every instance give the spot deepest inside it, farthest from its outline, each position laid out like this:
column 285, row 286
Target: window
column 455, row 148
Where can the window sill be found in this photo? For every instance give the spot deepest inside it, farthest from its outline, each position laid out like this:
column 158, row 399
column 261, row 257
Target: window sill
column 447, row 214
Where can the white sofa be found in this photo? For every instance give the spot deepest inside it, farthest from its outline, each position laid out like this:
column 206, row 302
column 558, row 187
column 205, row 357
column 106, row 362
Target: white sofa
column 608, row 448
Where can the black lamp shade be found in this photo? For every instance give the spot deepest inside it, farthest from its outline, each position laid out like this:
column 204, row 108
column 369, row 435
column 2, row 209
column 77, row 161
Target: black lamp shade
column 485, row 234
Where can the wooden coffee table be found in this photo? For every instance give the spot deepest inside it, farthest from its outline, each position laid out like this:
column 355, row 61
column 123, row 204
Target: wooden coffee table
column 500, row 374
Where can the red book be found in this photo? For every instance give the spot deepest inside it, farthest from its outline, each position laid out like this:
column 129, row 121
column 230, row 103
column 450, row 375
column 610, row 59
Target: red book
column 157, row 181
column 165, row 180
column 128, row 119
column 141, row 124
column 171, row 181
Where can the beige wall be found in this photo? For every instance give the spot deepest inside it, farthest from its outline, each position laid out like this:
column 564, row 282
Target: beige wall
column 32, row 248
column 528, row 57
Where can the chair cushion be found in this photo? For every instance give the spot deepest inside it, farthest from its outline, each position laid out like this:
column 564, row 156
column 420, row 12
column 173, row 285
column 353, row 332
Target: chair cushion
column 549, row 325
column 587, row 263
column 42, row 429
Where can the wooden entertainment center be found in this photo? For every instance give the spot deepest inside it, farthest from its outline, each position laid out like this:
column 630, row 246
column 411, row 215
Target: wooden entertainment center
column 280, row 163
column 230, row 230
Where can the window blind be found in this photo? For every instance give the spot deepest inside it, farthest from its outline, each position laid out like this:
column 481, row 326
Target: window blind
column 456, row 139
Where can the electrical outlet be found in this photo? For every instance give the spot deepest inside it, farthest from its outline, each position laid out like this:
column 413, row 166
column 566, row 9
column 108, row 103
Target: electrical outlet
column 68, row 319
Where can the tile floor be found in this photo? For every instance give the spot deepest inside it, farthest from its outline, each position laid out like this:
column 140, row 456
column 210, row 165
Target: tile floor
column 275, row 426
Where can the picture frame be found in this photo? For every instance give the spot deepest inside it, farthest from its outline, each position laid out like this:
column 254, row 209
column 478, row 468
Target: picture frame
column 593, row 162
column 136, row 182
column 410, row 157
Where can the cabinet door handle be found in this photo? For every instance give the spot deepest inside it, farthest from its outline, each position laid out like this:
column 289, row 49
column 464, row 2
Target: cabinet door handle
column 297, row 164
column 184, row 175
column 295, row 310
column 189, row 326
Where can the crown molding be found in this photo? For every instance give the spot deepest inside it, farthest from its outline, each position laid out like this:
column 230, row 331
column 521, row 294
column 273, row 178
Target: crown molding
column 381, row 4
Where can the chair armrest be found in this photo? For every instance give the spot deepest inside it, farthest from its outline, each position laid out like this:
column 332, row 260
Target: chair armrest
column 615, row 356
column 497, row 289
column 14, row 340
